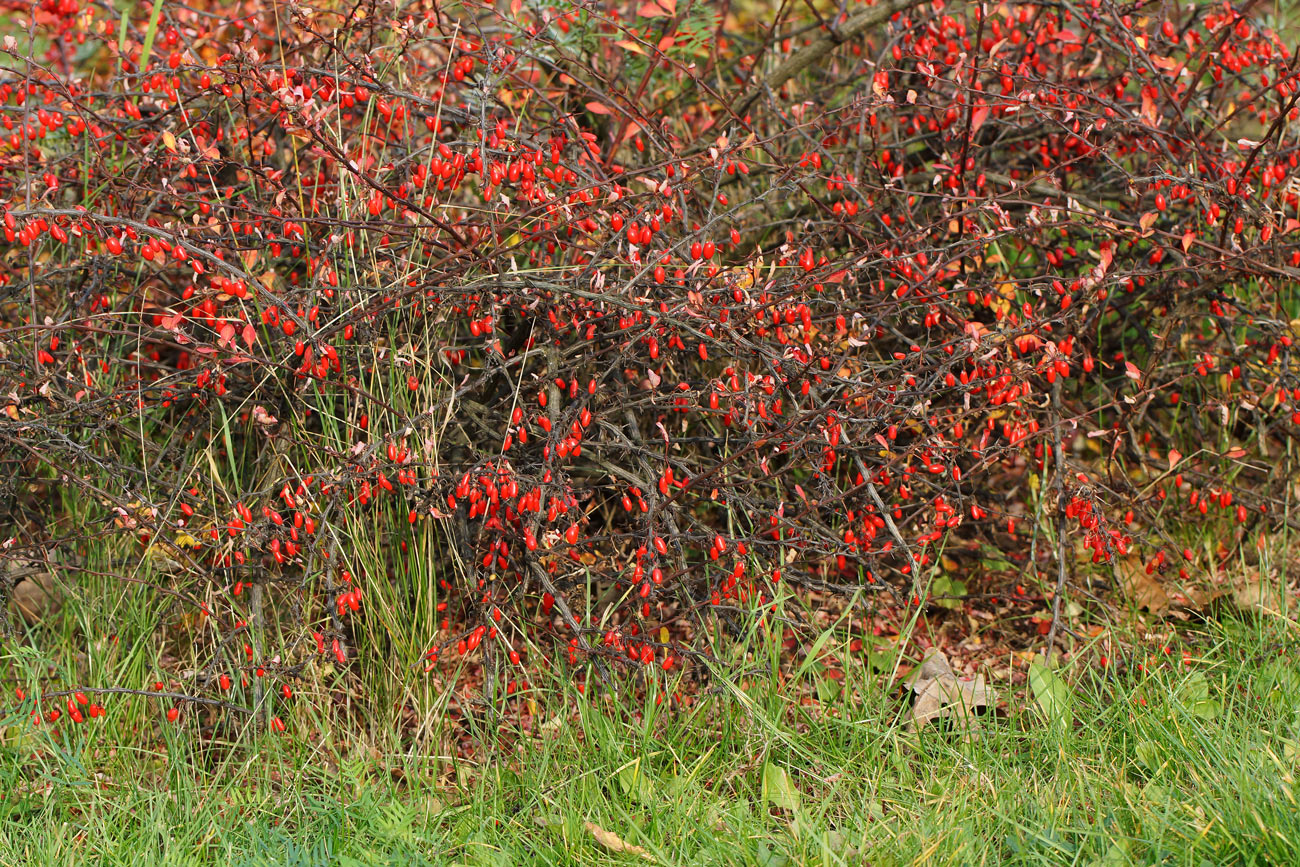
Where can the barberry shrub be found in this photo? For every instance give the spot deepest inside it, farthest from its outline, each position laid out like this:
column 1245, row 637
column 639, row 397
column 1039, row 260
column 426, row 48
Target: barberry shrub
column 557, row 337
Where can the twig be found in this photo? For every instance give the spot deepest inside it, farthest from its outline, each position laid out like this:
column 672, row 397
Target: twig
column 1058, row 457
column 810, row 54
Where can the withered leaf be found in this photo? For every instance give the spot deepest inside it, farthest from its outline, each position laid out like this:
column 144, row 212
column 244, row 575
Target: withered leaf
column 613, row 842
column 1144, row 589
column 940, row 694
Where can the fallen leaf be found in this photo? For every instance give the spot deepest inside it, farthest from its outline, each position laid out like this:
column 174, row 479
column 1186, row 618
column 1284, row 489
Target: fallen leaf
column 1142, row 588
column 940, row 694
column 613, row 842
column 1251, row 592
column 35, row 597
column 933, row 665
column 838, row 842
column 948, row 592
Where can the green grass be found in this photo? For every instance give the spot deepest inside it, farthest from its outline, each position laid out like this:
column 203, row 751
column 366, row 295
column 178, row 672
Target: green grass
column 1176, row 764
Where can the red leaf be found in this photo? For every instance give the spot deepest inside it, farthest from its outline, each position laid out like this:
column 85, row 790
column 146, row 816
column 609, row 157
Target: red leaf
column 657, row 8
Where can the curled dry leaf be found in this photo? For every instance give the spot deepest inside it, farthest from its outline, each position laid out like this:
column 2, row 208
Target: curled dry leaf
column 1253, row 591
column 613, row 842
column 1143, row 588
column 36, row 596
column 934, row 665
column 940, row 694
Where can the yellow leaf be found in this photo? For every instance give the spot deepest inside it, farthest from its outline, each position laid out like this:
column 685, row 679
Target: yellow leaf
column 613, row 842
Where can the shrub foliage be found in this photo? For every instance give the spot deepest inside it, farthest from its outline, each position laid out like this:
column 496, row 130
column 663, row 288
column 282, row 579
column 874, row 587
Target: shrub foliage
column 576, row 332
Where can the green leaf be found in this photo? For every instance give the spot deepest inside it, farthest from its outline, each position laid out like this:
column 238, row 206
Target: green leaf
column 1194, row 693
column 1149, row 754
column 636, row 783
column 766, row 857
column 951, row 588
column 881, row 660
column 778, row 789
column 828, row 690
column 1052, row 694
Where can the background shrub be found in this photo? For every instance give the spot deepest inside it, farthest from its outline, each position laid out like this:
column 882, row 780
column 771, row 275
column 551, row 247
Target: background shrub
column 494, row 340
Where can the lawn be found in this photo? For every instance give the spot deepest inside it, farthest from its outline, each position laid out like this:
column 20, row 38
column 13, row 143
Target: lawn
column 1189, row 759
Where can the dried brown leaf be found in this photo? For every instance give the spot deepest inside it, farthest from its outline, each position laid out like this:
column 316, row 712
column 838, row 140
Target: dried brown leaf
column 1253, row 592
column 36, row 598
column 1144, row 589
column 933, row 665
column 613, row 842
column 940, row 694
